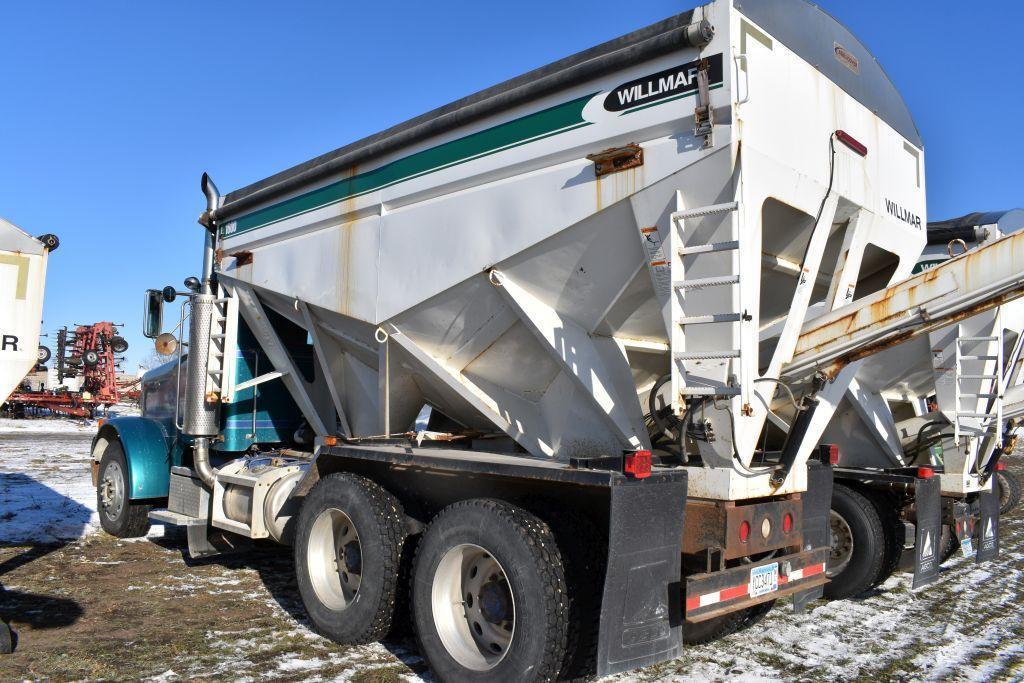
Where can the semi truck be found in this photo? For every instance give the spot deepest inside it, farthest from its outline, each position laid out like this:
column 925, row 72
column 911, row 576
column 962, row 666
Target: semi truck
column 593, row 277
column 924, row 409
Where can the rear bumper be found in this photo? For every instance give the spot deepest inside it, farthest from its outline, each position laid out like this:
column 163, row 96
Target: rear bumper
column 713, row 594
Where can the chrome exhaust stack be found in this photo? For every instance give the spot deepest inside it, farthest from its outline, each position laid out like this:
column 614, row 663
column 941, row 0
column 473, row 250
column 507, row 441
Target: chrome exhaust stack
column 202, row 415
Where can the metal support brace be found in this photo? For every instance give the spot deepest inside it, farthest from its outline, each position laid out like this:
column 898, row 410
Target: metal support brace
column 256, row 317
column 578, row 356
column 331, row 359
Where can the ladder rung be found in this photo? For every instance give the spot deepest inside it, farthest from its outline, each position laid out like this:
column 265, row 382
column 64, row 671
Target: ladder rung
column 706, row 355
column 979, row 376
column 713, row 318
column 701, row 211
column 961, row 340
column 218, row 373
column 965, row 414
column 707, row 248
column 710, row 391
column 217, row 336
column 966, row 394
column 701, row 283
column 979, row 357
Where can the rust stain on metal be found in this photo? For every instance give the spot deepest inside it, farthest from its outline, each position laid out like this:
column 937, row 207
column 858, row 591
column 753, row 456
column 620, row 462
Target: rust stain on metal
column 615, row 159
column 242, row 258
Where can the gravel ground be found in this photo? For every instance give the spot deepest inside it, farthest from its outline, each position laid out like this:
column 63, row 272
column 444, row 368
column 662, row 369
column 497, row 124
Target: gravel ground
column 90, row 607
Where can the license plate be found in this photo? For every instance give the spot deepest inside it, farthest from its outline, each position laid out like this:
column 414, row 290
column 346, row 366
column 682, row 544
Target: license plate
column 967, row 547
column 764, row 580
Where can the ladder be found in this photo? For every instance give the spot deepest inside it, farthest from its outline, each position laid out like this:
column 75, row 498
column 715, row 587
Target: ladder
column 714, row 370
column 995, row 382
column 220, row 365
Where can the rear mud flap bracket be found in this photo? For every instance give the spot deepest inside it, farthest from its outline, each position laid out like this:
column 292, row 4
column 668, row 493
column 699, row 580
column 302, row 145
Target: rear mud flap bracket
column 927, row 550
column 641, row 613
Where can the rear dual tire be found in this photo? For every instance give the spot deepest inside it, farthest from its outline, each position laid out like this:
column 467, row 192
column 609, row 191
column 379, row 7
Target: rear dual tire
column 1009, row 490
column 347, row 556
column 489, row 595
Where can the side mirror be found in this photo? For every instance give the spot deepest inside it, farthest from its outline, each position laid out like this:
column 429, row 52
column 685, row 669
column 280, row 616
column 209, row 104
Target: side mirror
column 153, row 314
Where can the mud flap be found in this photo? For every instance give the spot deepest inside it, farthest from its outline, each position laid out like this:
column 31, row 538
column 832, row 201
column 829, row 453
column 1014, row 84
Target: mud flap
column 927, row 550
column 988, row 529
column 642, row 604
column 817, row 504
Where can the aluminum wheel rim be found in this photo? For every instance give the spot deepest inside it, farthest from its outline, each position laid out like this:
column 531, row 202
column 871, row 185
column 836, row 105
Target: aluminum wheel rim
column 334, row 558
column 842, row 544
column 112, row 491
column 473, row 607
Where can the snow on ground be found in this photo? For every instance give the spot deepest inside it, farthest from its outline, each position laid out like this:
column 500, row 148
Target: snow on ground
column 968, row 626
column 46, row 491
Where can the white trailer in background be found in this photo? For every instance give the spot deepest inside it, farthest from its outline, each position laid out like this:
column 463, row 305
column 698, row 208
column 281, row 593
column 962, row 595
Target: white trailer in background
column 594, row 275
column 22, row 277
column 935, row 404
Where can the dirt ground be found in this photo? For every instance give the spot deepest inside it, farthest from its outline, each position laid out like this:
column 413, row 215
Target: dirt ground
column 97, row 608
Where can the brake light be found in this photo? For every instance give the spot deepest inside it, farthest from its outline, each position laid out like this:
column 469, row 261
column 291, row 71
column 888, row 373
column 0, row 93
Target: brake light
column 744, row 531
column 1000, row 466
column 638, row 464
column 787, row 523
column 925, row 472
column 852, row 142
column 833, row 455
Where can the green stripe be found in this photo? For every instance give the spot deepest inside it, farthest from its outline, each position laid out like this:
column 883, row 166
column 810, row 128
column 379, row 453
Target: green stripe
column 536, row 126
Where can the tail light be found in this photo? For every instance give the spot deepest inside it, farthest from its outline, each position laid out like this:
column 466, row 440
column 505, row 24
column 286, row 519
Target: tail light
column 638, row 464
column 852, row 142
column 787, row 523
column 833, row 455
column 744, row 531
column 925, row 472
column 1000, row 466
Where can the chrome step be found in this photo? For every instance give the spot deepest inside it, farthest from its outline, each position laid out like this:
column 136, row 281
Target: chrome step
column 706, row 355
column 708, row 248
column 701, row 283
column 713, row 318
column 702, row 211
column 710, row 391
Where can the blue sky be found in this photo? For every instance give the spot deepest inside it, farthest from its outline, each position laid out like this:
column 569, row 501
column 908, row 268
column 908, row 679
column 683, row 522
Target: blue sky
column 111, row 111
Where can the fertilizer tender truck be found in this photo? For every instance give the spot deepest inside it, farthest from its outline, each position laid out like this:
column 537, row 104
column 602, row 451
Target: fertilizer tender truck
column 573, row 270
column 920, row 428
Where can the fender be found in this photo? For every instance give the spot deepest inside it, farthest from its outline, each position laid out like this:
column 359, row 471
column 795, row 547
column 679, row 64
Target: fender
column 148, row 450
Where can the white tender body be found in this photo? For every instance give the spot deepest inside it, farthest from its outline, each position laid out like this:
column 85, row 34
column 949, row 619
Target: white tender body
column 969, row 368
column 489, row 272
column 22, row 276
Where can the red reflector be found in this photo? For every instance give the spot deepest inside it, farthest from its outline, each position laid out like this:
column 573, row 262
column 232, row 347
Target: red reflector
column 787, row 523
column 925, row 472
column 852, row 142
column 638, row 464
column 744, row 531
column 833, row 455
column 1000, row 466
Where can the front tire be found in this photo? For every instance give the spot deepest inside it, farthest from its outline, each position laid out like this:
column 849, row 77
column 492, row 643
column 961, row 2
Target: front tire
column 119, row 515
column 858, row 544
column 347, row 555
column 489, row 595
